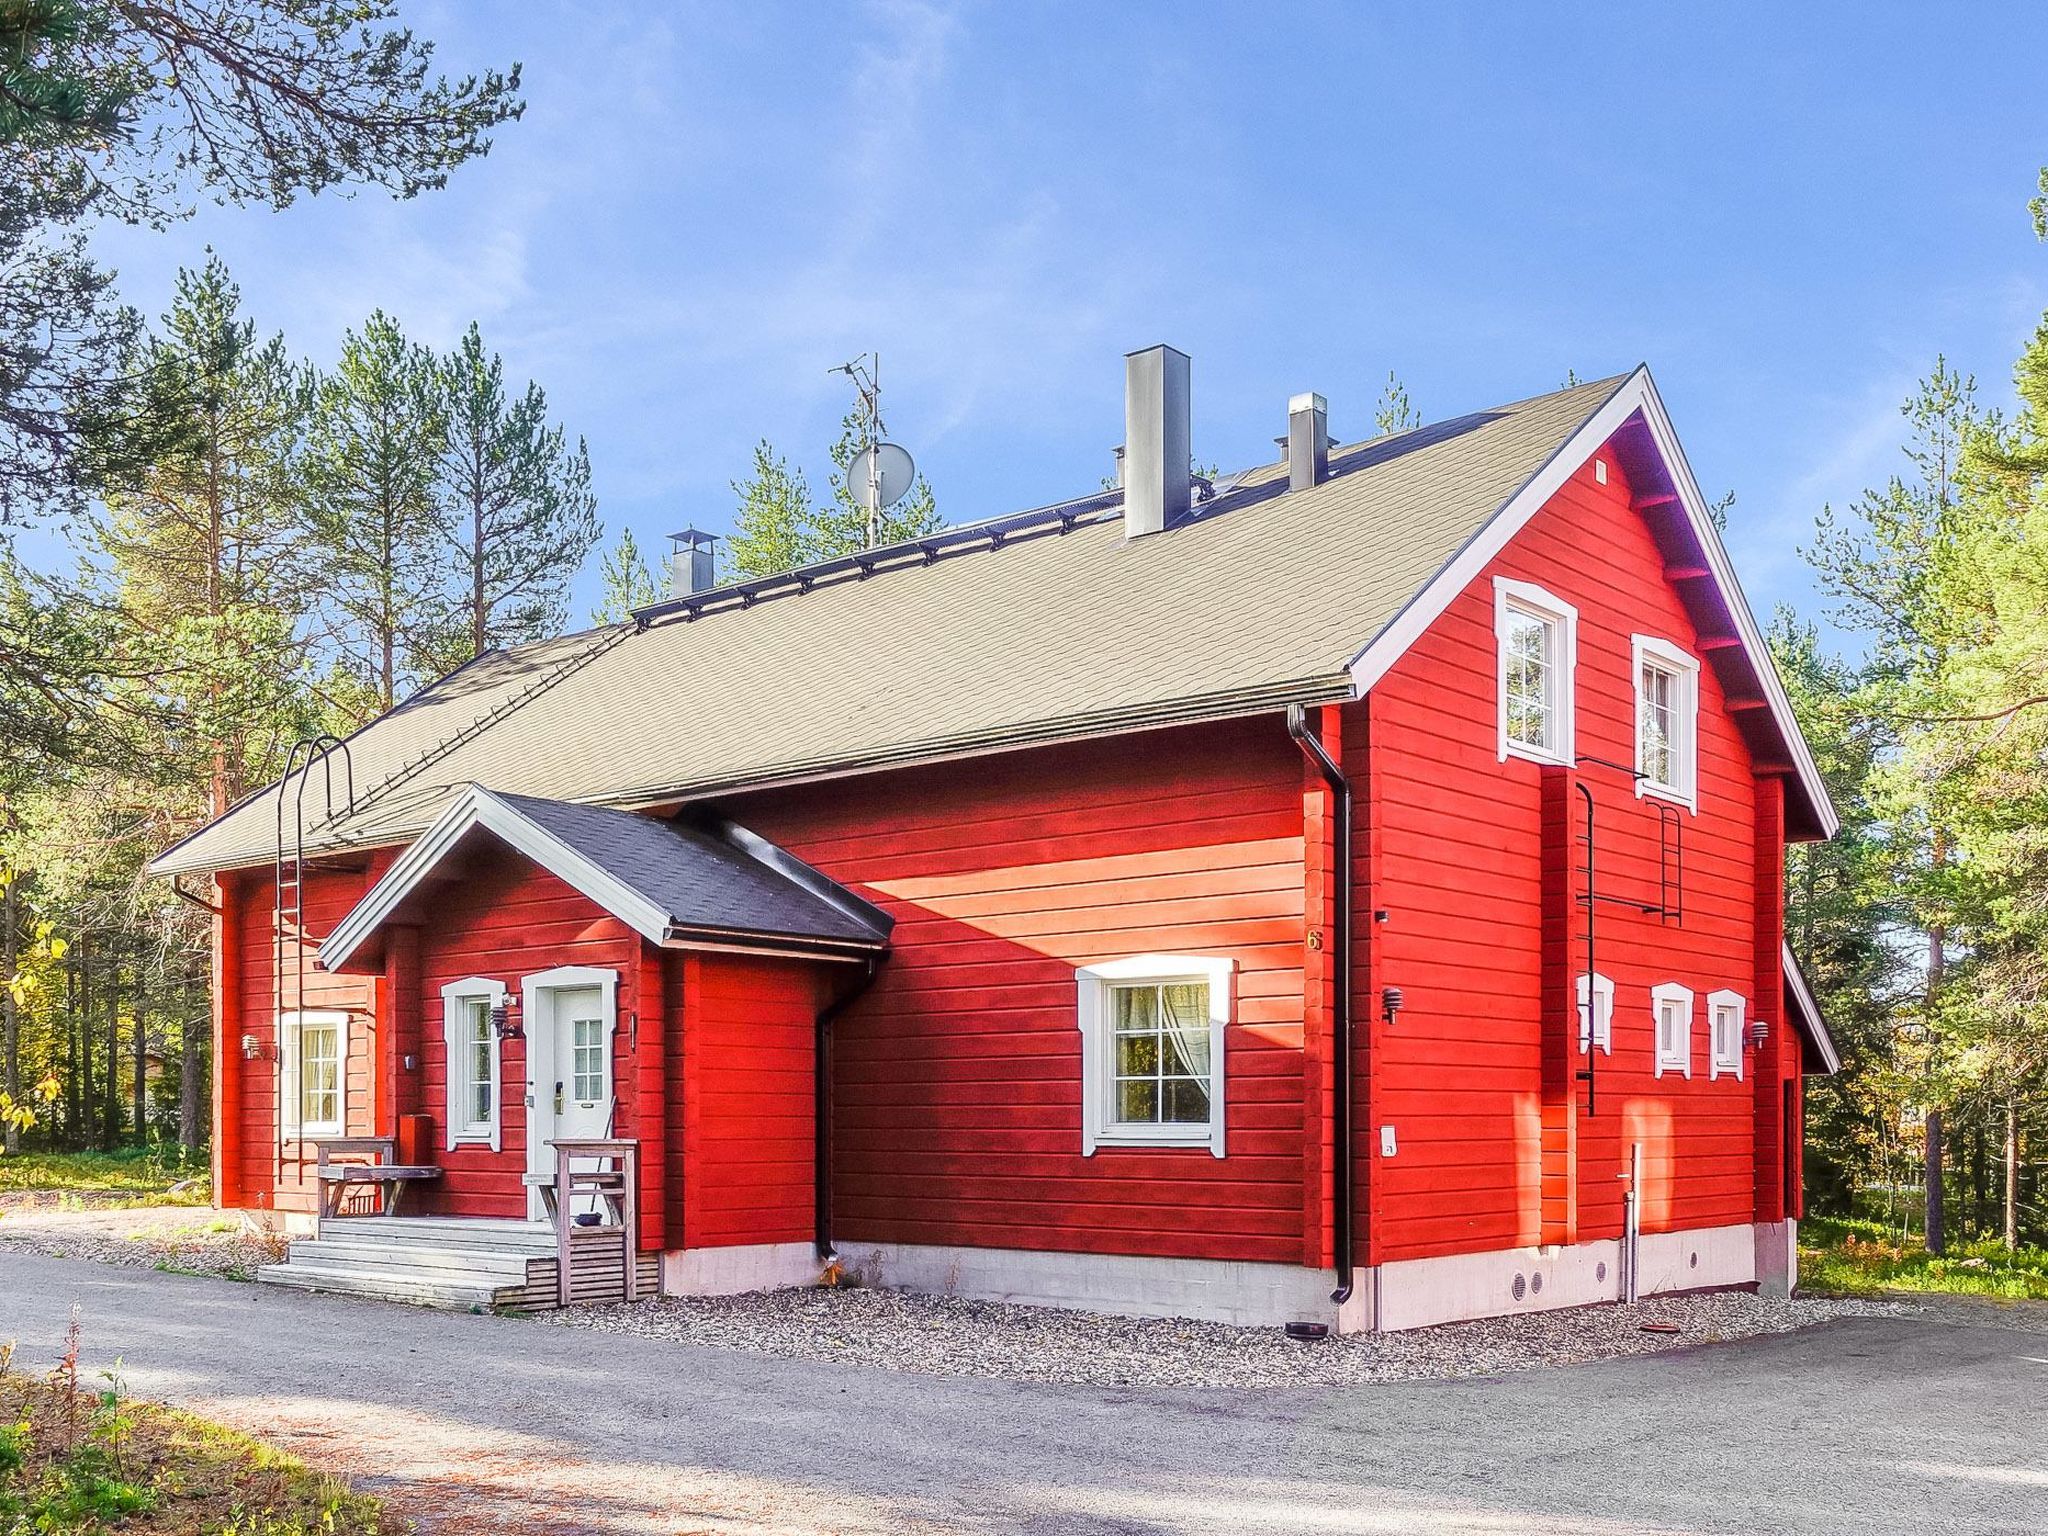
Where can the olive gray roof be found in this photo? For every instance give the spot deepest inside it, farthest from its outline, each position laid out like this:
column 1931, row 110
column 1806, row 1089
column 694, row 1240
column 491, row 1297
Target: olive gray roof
column 1042, row 626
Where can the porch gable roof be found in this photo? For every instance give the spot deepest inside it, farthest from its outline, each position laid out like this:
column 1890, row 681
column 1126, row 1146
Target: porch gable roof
column 680, row 886
column 1821, row 1055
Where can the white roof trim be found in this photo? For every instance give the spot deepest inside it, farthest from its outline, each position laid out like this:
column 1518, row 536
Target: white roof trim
column 1638, row 392
column 1815, row 1026
column 474, row 807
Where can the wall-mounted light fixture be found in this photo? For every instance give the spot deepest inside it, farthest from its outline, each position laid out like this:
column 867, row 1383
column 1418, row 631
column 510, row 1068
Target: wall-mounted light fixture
column 1391, row 1003
column 505, row 1018
column 1759, row 1032
column 252, row 1048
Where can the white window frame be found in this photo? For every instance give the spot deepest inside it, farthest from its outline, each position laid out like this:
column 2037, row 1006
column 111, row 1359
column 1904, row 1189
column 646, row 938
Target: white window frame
column 1534, row 602
column 1599, row 1029
column 1098, row 1077
column 1680, row 1059
column 1728, row 1062
column 461, row 1130
column 292, row 1121
column 1685, row 718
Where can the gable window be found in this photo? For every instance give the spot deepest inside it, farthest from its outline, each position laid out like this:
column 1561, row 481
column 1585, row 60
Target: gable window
column 472, row 1042
column 1536, row 636
column 315, row 1072
column 1671, row 1007
column 1667, row 721
column 1152, row 1051
column 1725, row 1012
column 1596, row 1025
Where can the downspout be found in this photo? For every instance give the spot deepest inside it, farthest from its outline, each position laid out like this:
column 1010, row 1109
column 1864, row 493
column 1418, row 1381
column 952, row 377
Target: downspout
column 1341, row 1218
column 821, row 1109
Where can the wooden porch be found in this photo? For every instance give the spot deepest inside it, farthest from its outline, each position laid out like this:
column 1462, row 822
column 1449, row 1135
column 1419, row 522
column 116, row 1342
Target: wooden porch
column 579, row 1256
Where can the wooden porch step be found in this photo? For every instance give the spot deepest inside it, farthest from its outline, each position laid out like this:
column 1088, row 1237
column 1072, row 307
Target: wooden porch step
column 383, row 1285
column 443, row 1232
column 506, row 1266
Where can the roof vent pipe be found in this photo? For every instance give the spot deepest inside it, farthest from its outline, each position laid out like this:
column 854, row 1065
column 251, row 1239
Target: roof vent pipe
column 690, row 562
column 1308, row 441
column 1156, row 439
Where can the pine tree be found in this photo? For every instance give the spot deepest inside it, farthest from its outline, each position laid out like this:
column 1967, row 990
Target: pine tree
column 772, row 530
column 626, row 581
column 379, row 429
column 1394, row 411
column 209, row 546
column 515, row 503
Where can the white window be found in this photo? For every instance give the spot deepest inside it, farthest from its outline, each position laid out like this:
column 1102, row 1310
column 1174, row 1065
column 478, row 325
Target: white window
column 1725, row 1012
column 1152, row 1051
column 1596, row 1026
column 1671, row 1007
column 1667, row 721
column 472, row 1056
column 1537, row 639
column 315, row 1073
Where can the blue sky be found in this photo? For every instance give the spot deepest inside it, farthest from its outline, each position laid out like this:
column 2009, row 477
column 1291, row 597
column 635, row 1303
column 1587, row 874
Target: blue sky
column 1787, row 211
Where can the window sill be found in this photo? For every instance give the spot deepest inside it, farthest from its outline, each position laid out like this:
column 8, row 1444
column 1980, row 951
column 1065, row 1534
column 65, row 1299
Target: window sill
column 1646, row 790
column 472, row 1137
column 1128, row 1140
column 1671, row 1069
column 1515, row 749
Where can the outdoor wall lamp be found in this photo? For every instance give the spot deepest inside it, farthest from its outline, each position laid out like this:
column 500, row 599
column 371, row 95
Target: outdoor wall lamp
column 1759, row 1032
column 1391, row 1003
column 252, row 1048
column 504, row 1019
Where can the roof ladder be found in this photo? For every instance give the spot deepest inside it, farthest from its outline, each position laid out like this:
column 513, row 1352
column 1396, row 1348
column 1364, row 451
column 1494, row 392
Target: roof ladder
column 288, row 897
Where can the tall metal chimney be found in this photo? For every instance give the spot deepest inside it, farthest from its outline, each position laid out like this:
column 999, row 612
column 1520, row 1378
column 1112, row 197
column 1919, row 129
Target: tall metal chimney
column 1308, row 441
column 1157, row 438
column 690, row 562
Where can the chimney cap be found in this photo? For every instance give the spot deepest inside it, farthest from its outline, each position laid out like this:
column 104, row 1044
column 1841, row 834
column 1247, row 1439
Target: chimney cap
column 1310, row 401
column 693, row 537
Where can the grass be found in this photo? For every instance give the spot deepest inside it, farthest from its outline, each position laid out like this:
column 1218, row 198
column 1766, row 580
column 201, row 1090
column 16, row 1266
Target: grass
column 1865, row 1258
column 79, row 1459
column 107, row 1180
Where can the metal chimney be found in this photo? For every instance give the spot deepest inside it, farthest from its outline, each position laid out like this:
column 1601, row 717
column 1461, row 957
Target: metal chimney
column 690, row 562
column 1157, row 436
column 1308, row 441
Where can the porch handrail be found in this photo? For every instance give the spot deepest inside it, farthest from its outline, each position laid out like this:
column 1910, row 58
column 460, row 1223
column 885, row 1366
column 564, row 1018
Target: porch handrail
column 616, row 1185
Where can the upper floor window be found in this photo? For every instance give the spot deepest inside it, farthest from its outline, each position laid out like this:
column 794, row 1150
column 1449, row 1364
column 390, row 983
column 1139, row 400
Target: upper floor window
column 1152, row 1051
column 1724, row 1032
column 1667, row 721
column 1537, row 639
column 1671, row 1006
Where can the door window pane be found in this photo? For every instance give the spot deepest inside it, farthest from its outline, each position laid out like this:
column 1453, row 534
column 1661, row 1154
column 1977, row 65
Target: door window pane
column 588, row 1060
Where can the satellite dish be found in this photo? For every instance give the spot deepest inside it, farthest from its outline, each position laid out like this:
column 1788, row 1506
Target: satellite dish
column 880, row 476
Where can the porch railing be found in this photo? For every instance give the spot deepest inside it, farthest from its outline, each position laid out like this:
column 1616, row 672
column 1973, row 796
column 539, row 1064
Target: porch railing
column 606, row 1172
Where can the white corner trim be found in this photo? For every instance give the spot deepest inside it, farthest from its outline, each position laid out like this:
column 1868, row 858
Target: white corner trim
column 460, row 1129
column 1685, row 667
column 1092, row 984
column 474, row 807
column 1679, row 1060
column 1528, row 598
column 1598, row 1029
column 1636, row 393
column 1725, row 1063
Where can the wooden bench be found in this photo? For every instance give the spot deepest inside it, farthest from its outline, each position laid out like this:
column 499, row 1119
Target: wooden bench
column 391, row 1179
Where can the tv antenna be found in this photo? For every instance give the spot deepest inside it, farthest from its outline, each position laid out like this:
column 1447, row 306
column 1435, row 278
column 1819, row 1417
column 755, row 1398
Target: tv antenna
column 880, row 475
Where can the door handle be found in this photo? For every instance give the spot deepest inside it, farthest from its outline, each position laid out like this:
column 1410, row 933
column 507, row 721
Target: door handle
column 558, row 1098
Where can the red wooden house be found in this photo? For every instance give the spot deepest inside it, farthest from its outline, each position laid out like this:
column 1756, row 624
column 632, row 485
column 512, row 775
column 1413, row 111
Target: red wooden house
column 1347, row 891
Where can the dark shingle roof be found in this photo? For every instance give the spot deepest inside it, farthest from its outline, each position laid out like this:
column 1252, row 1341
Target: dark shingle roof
column 703, row 881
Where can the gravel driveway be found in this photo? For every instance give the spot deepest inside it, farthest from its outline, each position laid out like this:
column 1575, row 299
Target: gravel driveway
column 476, row 1423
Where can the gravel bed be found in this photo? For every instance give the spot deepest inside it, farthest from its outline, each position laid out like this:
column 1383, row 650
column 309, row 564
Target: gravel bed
column 948, row 1336
column 190, row 1239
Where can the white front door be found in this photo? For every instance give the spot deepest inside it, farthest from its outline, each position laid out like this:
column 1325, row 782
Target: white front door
column 569, row 1069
